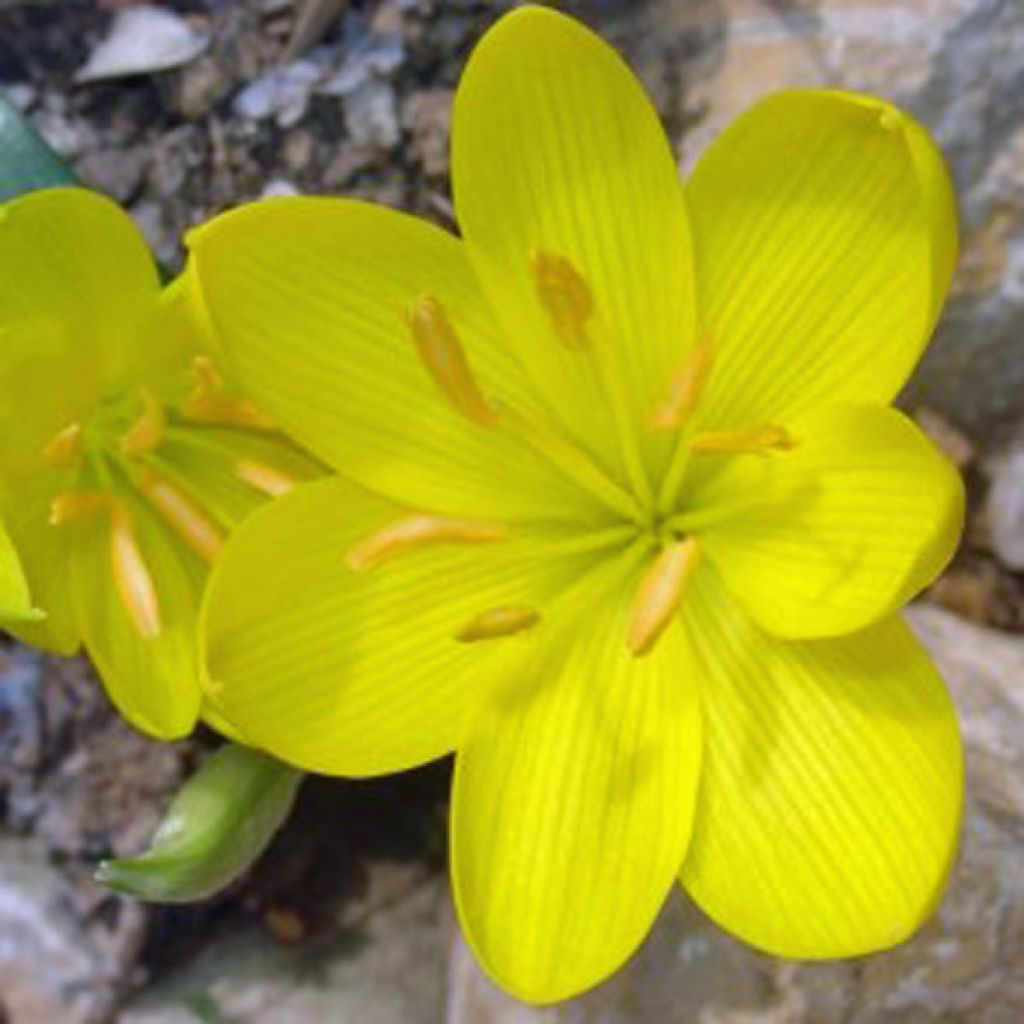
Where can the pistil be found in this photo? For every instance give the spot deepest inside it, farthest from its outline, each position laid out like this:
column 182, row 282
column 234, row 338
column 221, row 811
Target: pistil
column 208, row 402
column 182, row 514
column 267, row 479
column 148, row 430
column 65, row 449
column 752, row 440
column 685, row 390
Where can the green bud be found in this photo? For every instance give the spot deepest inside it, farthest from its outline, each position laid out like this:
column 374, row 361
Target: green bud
column 218, row 823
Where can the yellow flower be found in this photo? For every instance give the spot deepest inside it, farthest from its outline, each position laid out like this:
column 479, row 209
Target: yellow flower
column 630, row 515
column 123, row 459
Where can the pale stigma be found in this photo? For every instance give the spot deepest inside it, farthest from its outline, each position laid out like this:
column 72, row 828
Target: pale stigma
column 132, row 578
column 685, row 389
column 181, row 513
column 443, row 356
column 498, row 622
column 209, row 404
column 271, row 481
column 752, row 440
column 64, row 451
column 565, row 295
column 659, row 594
column 148, row 430
column 420, row 531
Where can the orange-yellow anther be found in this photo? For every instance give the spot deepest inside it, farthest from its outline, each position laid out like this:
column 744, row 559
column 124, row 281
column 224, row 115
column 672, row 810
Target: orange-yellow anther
column 445, row 359
column 565, row 295
column 182, row 514
column 685, row 389
column 132, row 579
column 420, row 531
column 74, row 505
column 497, row 622
column 208, row 402
column 753, row 440
column 148, row 430
column 659, row 594
column 267, row 479
column 64, row 451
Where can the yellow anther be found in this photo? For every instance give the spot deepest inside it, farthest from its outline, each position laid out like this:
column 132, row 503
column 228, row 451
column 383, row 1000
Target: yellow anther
column 148, row 430
column 753, row 440
column 659, row 595
column 420, row 531
column 64, row 451
column 565, row 295
column 182, row 514
column 209, row 404
column 497, row 622
column 74, row 505
column 267, row 479
column 134, row 583
column 445, row 359
column 685, row 389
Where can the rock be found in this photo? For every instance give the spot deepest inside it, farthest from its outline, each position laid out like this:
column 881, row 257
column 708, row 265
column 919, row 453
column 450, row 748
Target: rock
column 117, row 172
column 426, row 116
column 385, row 964
column 1004, row 507
column 282, row 93
column 142, row 40
column 371, row 117
column 55, row 967
column 953, row 63
column 964, row 967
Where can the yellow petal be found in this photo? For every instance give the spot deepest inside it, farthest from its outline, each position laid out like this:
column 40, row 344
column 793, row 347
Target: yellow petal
column 569, row 197
column 573, row 801
column 311, row 299
column 77, row 280
column 15, row 600
column 831, row 787
column 837, row 531
column 152, row 680
column 825, row 234
column 355, row 673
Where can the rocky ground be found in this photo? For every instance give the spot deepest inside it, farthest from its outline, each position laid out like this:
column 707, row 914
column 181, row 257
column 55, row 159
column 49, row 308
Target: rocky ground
column 346, row 918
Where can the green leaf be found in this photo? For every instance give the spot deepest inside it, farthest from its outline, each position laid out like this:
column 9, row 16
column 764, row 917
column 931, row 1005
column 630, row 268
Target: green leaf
column 219, row 822
column 26, row 161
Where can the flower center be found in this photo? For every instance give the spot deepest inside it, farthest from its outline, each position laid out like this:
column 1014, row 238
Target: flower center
column 112, row 464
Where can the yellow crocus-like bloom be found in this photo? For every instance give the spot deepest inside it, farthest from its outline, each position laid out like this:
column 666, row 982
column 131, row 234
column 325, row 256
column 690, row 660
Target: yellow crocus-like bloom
column 625, row 515
column 124, row 458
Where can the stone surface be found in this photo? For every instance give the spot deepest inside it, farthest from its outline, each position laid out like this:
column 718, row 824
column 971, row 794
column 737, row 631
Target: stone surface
column 964, row 967
column 956, row 64
column 384, row 965
column 1004, row 507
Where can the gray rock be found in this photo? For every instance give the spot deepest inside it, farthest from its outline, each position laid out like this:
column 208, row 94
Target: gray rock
column 1004, row 507
column 371, row 116
column 965, row 967
column 386, row 965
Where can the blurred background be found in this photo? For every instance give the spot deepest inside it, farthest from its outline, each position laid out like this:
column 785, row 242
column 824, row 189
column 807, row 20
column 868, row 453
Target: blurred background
column 179, row 110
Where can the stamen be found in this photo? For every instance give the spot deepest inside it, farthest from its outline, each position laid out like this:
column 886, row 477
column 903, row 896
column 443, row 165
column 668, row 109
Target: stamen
column 268, row 479
column 420, row 531
column 565, row 295
column 182, row 514
column 64, row 451
column 209, row 404
column 685, row 390
column 444, row 357
column 497, row 622
column 148, row 430
column 132, row 578
column 75, row 505
column 753, row 440
column 659, row 595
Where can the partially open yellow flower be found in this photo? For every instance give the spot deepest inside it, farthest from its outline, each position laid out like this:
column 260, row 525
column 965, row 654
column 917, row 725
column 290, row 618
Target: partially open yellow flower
column 124, row 459
column 631, row 514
